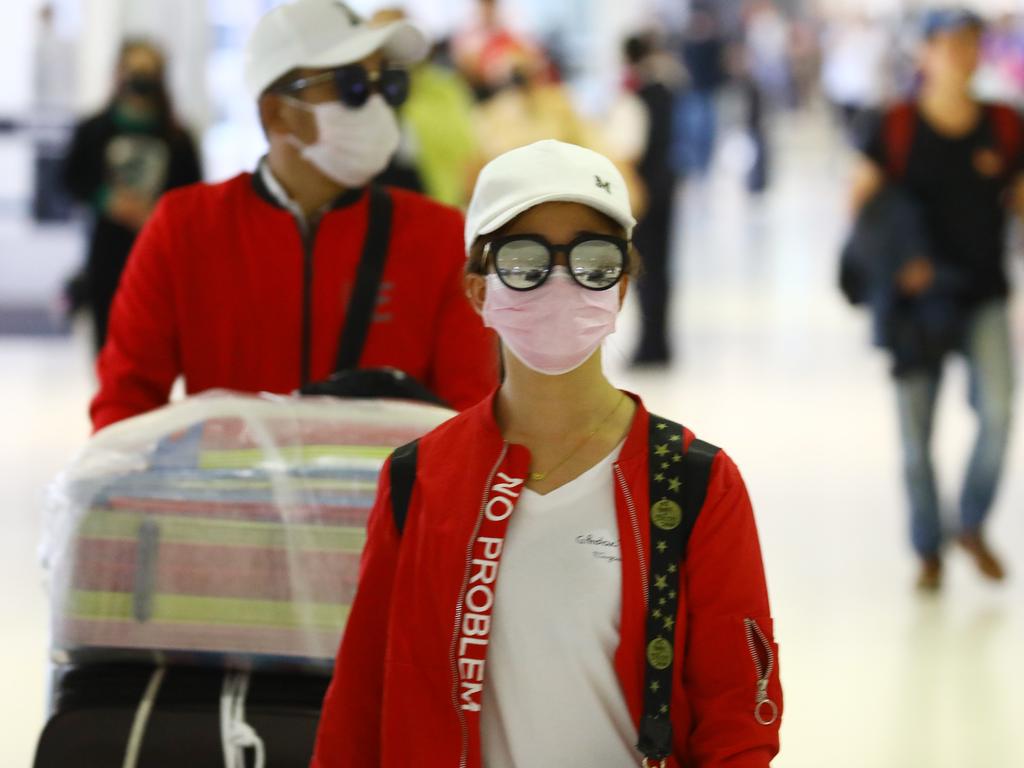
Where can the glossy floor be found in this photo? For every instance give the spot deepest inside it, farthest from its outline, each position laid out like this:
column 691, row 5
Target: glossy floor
column 775, row 368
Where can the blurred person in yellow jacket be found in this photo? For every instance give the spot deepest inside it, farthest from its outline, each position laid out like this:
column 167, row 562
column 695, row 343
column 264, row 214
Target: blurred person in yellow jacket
column 534, row 107
column 437, row 121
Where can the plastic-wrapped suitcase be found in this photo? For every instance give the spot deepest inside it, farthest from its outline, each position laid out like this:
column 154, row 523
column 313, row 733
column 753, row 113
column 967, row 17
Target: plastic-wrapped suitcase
column 225, row 530
column 202, row 561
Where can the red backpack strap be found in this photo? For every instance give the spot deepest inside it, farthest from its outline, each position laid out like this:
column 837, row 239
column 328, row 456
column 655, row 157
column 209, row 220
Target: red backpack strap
column 1009, row 134
column 899, row 124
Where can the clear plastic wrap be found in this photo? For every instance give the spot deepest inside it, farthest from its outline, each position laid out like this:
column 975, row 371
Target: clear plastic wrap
column 224, row 529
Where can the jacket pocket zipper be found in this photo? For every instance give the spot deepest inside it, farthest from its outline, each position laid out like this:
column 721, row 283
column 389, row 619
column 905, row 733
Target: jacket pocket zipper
column 766, row 711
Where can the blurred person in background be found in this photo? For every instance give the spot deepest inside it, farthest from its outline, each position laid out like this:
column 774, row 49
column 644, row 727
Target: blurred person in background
column 960, row 162
column 119, row 164
column 534, row 107
column 437, row 125
column 530, row 107
column 528, row 102
column 767, row 35
column 490, row 55
column 703, row 50
column 246, row 285
column 1002, row 72
column 655, row 78
column 855, row 75
column 759, row 63
column 805, row 58
column 53, row 81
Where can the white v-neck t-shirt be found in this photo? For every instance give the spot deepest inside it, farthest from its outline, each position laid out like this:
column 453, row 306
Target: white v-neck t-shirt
column 551, row 693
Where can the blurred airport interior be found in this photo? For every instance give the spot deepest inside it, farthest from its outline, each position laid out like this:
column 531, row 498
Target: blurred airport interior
column 738, row 121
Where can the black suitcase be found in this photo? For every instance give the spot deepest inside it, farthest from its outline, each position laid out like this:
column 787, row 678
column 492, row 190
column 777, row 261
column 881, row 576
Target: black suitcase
column 103, row 718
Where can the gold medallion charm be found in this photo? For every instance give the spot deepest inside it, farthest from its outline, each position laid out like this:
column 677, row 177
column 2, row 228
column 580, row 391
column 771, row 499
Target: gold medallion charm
column 659, row 653
column 666, row 514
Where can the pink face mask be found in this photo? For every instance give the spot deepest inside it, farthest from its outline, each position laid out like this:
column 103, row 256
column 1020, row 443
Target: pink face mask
column 552, row 329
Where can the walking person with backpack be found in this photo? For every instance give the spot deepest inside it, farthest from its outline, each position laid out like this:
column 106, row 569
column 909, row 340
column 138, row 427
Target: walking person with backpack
column 959, row 164
column 630, row 624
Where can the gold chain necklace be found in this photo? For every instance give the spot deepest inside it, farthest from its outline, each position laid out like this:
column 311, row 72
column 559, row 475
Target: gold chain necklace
column 538, row 476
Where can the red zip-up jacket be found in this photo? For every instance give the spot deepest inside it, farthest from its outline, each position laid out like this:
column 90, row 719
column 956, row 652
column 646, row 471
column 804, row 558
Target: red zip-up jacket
column 400, row 695
column 223, row 288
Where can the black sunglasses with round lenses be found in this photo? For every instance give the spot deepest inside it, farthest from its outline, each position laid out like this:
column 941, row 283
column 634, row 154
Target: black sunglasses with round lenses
column 523, row 262
column 355, row 84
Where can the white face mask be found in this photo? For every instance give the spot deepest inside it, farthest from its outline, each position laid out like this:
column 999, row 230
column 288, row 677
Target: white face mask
column 353, row 145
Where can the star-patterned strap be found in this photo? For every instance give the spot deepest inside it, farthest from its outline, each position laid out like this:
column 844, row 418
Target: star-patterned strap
column 678, row 482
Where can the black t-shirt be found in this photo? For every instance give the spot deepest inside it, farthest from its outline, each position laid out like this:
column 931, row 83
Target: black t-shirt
column 962, row 185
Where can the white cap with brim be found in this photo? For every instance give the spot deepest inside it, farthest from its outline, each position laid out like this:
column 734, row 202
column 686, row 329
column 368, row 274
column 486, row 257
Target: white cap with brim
column 546, row 172
column 319, row 34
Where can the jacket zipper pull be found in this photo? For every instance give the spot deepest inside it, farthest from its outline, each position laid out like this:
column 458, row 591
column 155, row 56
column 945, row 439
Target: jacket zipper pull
column 766, row 711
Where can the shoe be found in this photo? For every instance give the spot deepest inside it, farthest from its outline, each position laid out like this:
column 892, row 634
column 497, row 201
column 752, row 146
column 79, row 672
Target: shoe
column 650, row 355
column 930, row 578
column 650, row 361
column 985, row 560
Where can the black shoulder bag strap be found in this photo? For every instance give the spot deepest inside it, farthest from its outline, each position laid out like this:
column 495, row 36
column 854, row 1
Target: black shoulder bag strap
column 403, row 477
column 363, row 301
column 678, row 485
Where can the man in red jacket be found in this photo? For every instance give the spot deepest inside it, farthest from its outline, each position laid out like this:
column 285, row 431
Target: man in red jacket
column 244, row 285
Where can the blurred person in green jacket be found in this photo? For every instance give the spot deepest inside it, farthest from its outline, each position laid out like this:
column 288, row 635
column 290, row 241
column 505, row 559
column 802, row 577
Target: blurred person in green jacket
column 441, row 146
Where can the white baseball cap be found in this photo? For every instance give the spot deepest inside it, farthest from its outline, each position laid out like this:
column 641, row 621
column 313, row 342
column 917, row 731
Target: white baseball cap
column 320, row 34
column 544, row 172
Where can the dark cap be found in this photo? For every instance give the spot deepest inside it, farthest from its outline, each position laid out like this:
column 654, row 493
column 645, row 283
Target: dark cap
column 951, row 20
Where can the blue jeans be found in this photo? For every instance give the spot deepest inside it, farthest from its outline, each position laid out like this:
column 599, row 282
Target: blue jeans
column 989, row 356
column 696, row 124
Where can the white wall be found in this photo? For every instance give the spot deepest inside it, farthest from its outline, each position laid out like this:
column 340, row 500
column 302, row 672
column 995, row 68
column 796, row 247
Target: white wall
column 18, row 20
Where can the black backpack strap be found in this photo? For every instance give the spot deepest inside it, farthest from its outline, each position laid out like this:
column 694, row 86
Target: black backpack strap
column 403, row 477
column 363, row 301
column 678, row 485
column 700, row 457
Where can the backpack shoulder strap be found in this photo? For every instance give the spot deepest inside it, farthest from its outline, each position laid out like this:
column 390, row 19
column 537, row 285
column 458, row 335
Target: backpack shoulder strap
column 697, row 464
column 1006, row 126
column 898, row 127
column 363, row 301
column 403, row 478
column 678, row 482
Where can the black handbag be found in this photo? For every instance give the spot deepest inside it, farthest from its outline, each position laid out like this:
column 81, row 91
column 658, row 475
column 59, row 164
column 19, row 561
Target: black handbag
column 142, row 716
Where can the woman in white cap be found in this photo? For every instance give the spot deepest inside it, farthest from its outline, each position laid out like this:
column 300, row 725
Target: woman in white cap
column 630, row 624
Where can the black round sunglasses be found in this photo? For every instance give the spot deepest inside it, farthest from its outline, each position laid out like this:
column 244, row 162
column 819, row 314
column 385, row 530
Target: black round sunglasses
column 524, row 262
column 355, row 84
